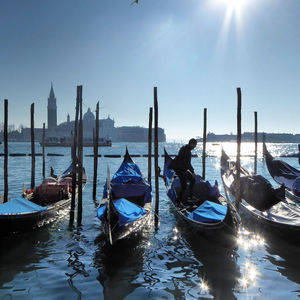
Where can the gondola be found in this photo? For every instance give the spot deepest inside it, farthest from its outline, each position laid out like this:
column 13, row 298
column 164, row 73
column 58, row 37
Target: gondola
column 284, row 174
column 210, row 215
column 39, row 206
column 126, row 205
column 270, row 210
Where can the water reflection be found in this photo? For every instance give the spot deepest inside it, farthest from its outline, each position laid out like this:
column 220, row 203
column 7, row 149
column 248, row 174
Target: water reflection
column 249, row 240
column 219, row 274
column 49, row 263
column 249, row 243
column 285, row 256
column 171, row 271
column 21, row 253
column 75, row 260
column 120, row 265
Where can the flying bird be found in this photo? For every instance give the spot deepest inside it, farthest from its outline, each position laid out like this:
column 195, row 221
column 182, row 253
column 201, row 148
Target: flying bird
column 135, row 1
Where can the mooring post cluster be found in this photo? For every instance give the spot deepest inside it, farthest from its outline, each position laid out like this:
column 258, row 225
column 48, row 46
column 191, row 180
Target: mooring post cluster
column 77, row 152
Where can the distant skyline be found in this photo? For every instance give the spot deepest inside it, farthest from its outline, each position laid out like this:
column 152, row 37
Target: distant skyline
column 196, row 52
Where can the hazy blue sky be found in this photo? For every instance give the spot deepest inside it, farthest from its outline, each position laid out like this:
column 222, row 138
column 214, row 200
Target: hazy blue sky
column 197, row 52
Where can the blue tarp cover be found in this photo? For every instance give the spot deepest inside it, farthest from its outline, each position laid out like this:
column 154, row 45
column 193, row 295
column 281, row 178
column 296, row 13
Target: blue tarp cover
column 128, row 172
column 100, row 211
column 209, row 212
column 128, row 181
column 128, row 211
column 168, row 173
column 20, row 205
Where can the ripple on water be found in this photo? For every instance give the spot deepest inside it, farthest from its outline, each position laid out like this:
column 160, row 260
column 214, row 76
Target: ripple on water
column 171, row 263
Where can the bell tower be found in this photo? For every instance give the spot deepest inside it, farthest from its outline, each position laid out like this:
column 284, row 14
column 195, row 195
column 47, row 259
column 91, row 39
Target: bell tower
column 52, row 110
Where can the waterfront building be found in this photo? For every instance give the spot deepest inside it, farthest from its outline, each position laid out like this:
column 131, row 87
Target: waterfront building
column 107, row 129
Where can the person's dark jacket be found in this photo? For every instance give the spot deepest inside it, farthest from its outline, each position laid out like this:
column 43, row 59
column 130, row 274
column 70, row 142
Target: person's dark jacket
column 182, row 162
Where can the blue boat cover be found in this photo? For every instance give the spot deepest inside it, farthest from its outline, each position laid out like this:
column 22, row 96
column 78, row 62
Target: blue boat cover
column 128, row 211
column 20, row 205
column 209, row 212
column 128, row 181
column 128, row 171
column 100, row 211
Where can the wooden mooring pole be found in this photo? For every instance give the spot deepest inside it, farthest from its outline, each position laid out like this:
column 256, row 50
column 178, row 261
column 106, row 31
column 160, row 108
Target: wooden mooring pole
column 74, row 157
column 96, row 152
column 204, row 143
column 264, row 142
column 5, row 151
column 238, row 154
column 150, row 145
column 80, row 163
column 43, row 150
column 255, row 142
column 32, row 146
column 156, row 156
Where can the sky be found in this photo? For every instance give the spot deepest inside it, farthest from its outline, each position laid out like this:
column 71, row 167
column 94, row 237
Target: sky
column 196, row 52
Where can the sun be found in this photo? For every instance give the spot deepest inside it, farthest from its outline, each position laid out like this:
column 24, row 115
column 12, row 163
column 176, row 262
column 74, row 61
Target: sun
column 234, row 15
column 233, row 4
column 233, row 10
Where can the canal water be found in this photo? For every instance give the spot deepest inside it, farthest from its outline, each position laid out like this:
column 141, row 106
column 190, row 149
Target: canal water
column 58, row 262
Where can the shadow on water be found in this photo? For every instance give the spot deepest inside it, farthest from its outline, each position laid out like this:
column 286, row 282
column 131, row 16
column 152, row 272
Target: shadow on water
column 120, row 265
column 285, row 256
column 20, row 253
column 219, row 272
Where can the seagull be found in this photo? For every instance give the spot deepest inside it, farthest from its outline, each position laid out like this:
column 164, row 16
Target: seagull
column 135, row 1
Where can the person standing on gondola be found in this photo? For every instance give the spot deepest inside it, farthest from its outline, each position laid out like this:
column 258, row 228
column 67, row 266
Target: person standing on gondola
column 183, row 168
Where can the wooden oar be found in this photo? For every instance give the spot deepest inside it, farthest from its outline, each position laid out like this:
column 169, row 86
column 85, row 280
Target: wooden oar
column 108, row 205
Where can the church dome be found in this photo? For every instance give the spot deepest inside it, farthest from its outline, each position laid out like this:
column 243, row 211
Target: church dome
column 89, row 118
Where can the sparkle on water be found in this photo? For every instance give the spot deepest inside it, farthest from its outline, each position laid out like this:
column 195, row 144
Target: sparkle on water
column 168, row 263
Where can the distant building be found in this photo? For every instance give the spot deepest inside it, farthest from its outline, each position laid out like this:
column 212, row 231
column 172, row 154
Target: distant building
column 52, row 111
column 107, row 127
column 249, row 137
column 138, row 134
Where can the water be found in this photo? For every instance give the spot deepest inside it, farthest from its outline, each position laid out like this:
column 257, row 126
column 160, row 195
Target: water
column 57, row 262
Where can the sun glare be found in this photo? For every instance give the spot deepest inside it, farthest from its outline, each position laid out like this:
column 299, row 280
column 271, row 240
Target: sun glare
column 232, row 23
column 234, row 9
column 233, row 4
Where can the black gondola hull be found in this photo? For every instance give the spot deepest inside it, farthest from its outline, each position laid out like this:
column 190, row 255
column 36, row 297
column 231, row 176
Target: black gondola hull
column 127, row 230
column 11, row 223
column 135, row 191
column 223, row 232
column 255, row 219
column 16, row 223
column 262, row 225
